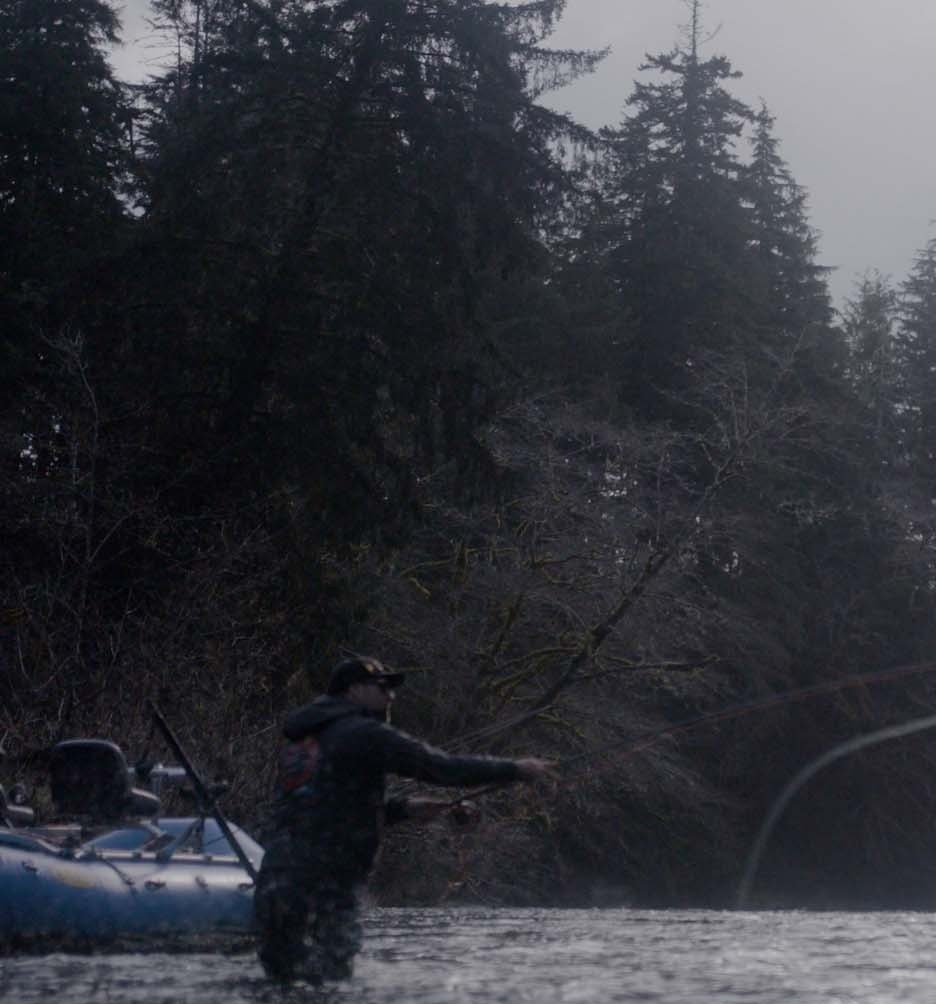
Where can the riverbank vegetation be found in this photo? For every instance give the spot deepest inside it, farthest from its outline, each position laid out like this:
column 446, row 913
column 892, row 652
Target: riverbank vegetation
column 333, row 337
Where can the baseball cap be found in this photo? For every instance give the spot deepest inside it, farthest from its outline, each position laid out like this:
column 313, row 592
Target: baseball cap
column 360, row 669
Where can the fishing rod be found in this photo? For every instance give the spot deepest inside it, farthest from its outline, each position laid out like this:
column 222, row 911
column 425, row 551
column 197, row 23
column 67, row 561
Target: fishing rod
column 725, row 714
column 205, row 797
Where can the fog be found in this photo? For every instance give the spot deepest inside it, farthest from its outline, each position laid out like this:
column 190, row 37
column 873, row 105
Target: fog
column 850, row 83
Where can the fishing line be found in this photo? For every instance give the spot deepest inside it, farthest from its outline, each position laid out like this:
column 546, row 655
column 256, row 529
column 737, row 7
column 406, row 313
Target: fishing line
column 630, row 747
column 810, row 770
column 737, row 710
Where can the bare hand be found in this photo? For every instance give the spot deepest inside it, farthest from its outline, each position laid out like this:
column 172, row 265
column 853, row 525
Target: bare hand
column 536, row 769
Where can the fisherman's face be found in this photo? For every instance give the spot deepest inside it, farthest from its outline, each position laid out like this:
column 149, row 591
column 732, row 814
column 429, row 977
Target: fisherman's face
column 373, row 696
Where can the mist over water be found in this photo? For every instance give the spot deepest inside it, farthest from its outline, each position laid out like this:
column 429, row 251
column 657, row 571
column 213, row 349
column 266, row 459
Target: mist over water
column 506, row 956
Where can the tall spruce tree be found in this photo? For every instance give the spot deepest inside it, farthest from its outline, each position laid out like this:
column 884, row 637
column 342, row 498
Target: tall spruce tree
column 917, row 366
column 62, row 155
column 676, row 229
column 869, row 324
column 786, row 279
column 343, row 184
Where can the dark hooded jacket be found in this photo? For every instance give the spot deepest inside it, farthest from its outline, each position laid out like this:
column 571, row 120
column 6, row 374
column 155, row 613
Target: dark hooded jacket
column 332, row 781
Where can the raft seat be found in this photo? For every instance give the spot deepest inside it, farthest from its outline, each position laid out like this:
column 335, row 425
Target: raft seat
column 14, row 814
column 90, row 779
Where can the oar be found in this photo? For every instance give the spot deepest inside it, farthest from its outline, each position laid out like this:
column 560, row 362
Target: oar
column 204, row 795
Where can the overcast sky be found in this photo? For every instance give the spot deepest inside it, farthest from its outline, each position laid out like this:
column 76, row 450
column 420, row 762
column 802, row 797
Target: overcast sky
column 851, row 83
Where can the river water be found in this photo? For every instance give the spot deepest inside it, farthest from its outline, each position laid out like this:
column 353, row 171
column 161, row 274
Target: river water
column 482, row 956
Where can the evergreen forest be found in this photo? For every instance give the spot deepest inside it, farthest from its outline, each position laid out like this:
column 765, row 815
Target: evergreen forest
column 333, row 337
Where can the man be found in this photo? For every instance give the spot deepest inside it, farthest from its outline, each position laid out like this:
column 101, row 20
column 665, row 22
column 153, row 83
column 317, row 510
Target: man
column 331, row 808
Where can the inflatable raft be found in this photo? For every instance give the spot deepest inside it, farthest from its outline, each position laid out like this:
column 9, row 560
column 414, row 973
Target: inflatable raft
column 111, row 866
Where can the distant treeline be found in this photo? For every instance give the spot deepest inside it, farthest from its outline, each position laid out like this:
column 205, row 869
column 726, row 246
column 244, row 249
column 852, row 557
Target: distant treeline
column 333, row 337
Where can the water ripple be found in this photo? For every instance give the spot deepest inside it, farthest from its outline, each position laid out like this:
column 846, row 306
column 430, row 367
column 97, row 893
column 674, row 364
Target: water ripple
column 544, row 956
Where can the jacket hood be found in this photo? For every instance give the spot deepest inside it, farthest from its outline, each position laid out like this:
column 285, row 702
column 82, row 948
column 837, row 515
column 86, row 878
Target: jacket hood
column 314, row 717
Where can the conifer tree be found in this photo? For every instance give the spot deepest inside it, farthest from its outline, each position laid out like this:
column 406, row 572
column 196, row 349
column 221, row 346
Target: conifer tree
column 786, row 278
column 917, row 364
column 676, row 228
column 344, row 183
column 63, row 159
column 869, row 323
column 62, row 156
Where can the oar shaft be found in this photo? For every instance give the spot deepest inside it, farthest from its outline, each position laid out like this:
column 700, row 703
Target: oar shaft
column 204, row 795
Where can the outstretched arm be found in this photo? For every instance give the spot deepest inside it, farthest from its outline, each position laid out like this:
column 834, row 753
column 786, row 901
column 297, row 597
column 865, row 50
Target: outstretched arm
column 402, row 754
